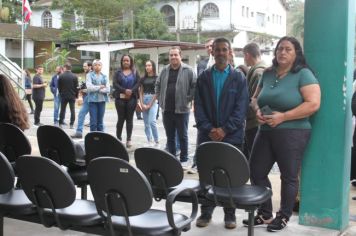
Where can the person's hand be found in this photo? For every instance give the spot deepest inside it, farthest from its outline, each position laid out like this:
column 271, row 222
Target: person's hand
column 145, row 107
column 102, row 86
column 128, row 92
column 260, row 118
column 221, row 134
column 45, row 84
column 275, row 119
column 213, row 134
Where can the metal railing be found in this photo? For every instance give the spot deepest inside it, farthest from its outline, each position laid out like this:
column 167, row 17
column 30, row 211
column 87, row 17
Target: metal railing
column 12, row 71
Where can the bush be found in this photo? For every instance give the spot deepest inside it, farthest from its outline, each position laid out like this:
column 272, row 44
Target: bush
column 77, row 69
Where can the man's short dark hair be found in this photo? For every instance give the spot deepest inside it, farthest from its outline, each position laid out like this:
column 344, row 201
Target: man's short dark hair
column 221, row 40
column 253, row 49
column 39, row 66
column 176, row 47
column 89, row 63
column 68, row 66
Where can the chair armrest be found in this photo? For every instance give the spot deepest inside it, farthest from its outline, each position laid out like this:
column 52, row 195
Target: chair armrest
column 169, row 207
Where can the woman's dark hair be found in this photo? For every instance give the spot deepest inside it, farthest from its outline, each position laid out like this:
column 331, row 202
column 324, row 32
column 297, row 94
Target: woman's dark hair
column 17, row 113
column 299, row 62
column 153, row 68
column 28, row 74
column 132, row 66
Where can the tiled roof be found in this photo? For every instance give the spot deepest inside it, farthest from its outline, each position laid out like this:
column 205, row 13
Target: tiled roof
column 13, row 31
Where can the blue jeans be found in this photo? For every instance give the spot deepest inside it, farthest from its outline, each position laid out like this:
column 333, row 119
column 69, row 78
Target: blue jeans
column 173, row 123
column 96, row 111
column 57, row 105
column 82, row 113
column 149, row 118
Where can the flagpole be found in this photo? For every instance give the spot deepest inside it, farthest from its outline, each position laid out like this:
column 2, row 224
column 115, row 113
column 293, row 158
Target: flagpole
column 22, row 37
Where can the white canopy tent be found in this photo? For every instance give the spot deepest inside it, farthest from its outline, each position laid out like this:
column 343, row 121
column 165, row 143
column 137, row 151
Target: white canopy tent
column 141, row 46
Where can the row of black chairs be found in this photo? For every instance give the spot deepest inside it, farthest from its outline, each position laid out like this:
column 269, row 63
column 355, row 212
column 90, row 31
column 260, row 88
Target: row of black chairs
column 48, row 197
column 223, row 169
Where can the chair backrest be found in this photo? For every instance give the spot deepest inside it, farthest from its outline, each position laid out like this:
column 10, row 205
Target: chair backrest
column 43, row 177
column 99, row 144
column 7, row 175
column 153, row 162
column 222, row 164
column 56, row 144
column 13, row 142
column 110, row 177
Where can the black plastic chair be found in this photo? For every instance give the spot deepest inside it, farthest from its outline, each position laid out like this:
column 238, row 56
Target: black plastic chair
column 226, row 169
column 56, row 145
column 124, row 197
column 52, row 190
column 13, row 142
column 165, row 173
column 13, row 202
column 99, row 144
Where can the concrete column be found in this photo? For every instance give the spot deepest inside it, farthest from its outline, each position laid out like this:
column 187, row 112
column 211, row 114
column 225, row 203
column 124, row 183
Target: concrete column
column 329, row 48
column 105, row 59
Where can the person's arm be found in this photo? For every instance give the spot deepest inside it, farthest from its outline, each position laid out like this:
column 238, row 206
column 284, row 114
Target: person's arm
column 37, row 83
column 105, row 88
column 311, row 96
column 201, row 119
column 158, row 85
column 116, row 83
column 238, row 116
column 53, row 86
column 90, row 86
column 76, row 85
column 137, row 83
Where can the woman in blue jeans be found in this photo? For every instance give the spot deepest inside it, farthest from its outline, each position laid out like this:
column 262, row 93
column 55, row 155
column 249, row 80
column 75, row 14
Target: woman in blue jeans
column 148, row 102
column 98, row 89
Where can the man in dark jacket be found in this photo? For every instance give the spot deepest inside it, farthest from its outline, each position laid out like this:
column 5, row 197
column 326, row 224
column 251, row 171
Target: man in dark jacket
column 221, row 102
column 68, row 90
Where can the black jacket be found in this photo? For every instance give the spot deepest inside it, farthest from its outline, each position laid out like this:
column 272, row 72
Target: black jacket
column 117, row 84
column 68, row 85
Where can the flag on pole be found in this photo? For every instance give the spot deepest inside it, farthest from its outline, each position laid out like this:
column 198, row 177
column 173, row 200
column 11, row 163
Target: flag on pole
column 26, row 11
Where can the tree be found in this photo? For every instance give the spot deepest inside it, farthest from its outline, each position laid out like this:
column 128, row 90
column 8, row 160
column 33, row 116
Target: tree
column 55, row 56
column 148, row 24
column 295, row 19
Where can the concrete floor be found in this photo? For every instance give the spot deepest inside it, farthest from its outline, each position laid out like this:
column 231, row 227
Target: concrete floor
column 216, row 227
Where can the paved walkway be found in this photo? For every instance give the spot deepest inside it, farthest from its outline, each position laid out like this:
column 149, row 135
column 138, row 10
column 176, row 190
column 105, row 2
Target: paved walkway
column 17, row 228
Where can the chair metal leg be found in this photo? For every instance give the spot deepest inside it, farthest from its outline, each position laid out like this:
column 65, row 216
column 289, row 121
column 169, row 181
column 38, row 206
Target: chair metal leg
column 1, row 225
column 84, row 192
column 251, row 217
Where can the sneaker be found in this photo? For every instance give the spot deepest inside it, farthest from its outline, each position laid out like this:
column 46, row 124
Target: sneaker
column 185, row 165
column 193, row 170
column 77, row 135
column 258, row 221
column 278, row 223
column 128, row 144
column 230, row 221
column 203, row 220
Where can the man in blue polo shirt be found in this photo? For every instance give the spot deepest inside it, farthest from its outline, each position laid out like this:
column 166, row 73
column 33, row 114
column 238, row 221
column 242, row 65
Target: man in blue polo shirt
column 221, row 102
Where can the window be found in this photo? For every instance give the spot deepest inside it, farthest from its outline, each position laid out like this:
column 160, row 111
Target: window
column 170, row 15
column 47, row 19
column 260, row 19
column 210, row 10
column 247, row 11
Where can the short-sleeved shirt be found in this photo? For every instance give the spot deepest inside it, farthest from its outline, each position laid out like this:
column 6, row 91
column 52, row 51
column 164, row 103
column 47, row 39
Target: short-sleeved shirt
column 38, row 93
column 148, row 84
column 284, row 94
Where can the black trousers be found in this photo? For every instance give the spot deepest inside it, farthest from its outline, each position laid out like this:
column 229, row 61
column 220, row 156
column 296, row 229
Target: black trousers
column 29, row 100
column 286, row 147
column 62, row 114
column 38, row 109
column 125, row 110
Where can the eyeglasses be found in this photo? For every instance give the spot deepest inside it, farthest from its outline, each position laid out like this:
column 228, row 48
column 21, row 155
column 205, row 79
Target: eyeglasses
column 275, row 84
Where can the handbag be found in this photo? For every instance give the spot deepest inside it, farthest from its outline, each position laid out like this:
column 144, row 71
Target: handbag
column 28, row 91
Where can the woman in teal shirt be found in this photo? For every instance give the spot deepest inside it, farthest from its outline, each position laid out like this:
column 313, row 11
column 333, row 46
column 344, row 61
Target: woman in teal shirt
column 287, row 95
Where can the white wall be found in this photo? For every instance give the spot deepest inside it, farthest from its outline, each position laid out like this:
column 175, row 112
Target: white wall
column 2, row 46
column 36, row 19
column 230, row 15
